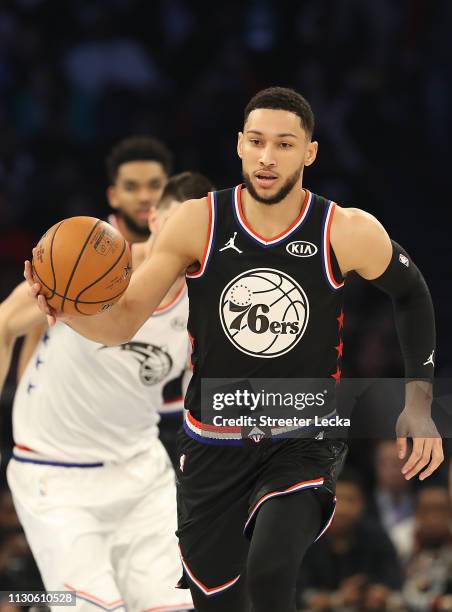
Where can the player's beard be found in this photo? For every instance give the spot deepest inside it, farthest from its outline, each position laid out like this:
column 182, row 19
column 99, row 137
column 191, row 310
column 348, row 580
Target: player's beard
column 279, row 195
column 132, row 225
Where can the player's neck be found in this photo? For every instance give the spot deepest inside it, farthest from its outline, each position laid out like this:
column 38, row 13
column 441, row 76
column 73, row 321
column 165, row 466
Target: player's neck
column 269, row 220
column 174, row 291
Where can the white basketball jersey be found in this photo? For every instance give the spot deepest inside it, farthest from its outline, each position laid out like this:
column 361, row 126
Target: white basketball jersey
column 82, row 402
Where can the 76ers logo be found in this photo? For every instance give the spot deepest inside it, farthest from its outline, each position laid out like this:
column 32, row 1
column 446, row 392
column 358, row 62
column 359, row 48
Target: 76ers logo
column 264, row 312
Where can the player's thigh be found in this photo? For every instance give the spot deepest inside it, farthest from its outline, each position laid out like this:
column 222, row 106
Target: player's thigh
column 69, row 544
column 145, row 553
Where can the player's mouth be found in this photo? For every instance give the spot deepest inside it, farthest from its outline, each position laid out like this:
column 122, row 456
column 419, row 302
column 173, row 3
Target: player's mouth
column 266, row 180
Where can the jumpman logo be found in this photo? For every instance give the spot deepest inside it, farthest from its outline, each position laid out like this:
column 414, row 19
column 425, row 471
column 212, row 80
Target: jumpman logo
column 430, row 359
column 230, row 244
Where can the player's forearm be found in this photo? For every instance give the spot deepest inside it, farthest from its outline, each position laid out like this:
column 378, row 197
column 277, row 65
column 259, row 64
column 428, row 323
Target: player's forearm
column 413, row 312
column 6, row 351
column 109, row 328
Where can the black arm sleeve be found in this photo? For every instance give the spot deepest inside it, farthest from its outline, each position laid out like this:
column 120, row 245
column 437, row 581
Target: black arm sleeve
column 413, row 311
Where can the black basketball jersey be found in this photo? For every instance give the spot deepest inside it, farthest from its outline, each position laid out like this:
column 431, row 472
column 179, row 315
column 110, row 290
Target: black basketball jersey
column 265, row 308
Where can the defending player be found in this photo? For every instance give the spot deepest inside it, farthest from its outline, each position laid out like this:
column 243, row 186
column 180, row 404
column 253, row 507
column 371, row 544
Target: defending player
column 92, row 484
column 246, row 515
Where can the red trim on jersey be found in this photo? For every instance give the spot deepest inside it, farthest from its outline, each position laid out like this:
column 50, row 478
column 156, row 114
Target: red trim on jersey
column 24, row 448
column 93, row 597
column 177, row 297
column 213, row 428
column 280, row 235
column 173, row 608
column 173, row 401
column 335, row 283
column 299, row 486
column 208, row 244
column 206, row 590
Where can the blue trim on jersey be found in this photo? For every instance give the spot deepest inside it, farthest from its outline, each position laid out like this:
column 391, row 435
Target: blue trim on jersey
column 284, row 238
column 324, row 264
column 57, row 463
column 171, row 413
column 213, row 441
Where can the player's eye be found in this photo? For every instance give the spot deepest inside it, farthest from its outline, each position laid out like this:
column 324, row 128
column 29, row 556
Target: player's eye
column 130, row 187
column 254, row 141
column 285, row 145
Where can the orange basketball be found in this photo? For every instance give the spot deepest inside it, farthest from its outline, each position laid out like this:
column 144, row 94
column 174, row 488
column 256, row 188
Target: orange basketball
column 83, row 265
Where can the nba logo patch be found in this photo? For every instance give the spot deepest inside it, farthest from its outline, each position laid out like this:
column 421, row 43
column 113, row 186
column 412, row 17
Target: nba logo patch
column 403, row 259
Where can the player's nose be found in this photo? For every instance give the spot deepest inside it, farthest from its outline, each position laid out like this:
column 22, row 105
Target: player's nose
column 267, row 158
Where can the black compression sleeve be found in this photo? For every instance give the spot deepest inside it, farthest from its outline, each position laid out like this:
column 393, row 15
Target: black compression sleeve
column 413, row 311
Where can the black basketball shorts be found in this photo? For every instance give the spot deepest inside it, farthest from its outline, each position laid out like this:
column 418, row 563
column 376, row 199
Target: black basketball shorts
column 220, row 490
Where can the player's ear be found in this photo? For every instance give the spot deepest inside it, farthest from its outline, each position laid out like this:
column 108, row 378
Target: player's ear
column 111, row 196
column 239, row 144
column 311, row 153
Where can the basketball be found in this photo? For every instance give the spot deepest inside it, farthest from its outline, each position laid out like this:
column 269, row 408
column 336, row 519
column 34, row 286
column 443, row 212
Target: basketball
column 83, row 265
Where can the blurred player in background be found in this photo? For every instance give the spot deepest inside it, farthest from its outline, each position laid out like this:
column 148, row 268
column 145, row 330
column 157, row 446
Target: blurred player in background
column 92, row 485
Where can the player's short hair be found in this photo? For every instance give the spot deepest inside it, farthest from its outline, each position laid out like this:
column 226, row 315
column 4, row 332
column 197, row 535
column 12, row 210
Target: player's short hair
column 185, row 186
column 138, row 148
column 283, row 98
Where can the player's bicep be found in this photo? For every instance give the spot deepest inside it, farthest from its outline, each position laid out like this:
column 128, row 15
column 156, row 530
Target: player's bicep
column 361, row 244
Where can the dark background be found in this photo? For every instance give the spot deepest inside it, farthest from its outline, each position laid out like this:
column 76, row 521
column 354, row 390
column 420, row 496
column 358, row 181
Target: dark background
column 77, row 76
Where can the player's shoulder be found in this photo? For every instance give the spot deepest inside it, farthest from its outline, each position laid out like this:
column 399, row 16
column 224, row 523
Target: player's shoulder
column 351, row 222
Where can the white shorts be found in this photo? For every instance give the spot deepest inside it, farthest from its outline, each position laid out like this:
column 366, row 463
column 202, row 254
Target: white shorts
column 106, row 533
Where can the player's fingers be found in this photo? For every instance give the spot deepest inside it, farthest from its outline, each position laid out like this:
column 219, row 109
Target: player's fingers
column 45, row 308
column 423, row 460
column 416, row 453
column 401, row 447
column 28, row 272
column 437, row 459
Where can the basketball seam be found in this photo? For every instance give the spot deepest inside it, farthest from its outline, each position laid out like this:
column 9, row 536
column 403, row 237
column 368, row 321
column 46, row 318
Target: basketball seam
column 51, row 259
column 104, row 274
column 77, row 262
column 68, row 299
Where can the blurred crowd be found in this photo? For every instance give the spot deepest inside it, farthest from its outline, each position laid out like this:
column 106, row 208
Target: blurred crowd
column 77, row 76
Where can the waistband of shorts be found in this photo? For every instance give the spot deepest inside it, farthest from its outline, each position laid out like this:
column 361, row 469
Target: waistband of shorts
column 24, row 454
column 225, row 435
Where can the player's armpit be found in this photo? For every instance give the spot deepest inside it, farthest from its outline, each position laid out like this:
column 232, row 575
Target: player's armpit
column 360, row 242
column 18, row 314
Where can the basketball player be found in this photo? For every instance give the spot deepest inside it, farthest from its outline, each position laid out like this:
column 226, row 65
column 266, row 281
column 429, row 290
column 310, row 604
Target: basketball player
column 247, row 512
column 92, row 485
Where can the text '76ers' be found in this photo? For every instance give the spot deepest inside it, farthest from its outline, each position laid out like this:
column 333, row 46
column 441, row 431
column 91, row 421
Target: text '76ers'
column 264, row 312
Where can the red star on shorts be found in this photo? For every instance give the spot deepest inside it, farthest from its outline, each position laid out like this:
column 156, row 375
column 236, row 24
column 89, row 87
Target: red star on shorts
column 339, row 348
column 337, row 375
column 340, row 320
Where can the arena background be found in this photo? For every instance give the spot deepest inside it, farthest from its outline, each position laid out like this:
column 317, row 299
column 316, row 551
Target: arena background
column 75, row 77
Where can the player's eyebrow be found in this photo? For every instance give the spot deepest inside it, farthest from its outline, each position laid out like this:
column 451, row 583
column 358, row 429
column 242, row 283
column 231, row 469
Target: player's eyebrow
column 281, row 135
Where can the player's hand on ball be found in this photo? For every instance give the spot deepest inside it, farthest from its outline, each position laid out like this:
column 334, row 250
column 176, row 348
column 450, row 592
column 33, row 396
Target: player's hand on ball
column 34, row 292
column 427, row 443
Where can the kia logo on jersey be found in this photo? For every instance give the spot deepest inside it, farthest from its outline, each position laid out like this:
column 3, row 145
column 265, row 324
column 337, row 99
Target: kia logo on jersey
column 264, row 312
column 301, row 248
